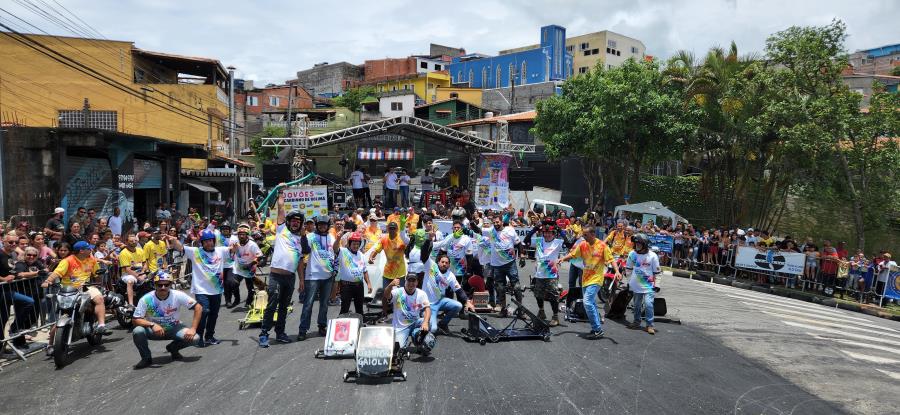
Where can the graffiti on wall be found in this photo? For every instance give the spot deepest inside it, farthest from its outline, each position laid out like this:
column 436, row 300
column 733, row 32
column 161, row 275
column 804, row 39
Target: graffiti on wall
column 90, row 185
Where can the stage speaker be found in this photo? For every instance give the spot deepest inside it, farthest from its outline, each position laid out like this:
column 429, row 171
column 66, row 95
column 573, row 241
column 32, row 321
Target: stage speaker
column 521, row 179
column 274, row 173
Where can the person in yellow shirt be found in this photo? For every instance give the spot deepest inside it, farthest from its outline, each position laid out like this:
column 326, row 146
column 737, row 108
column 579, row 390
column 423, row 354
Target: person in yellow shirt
column 155, row 249
column 620, row 240
column 399, row 217
column 372, row 233
column 412, row 221
column 595, row 256
column 74, row 271
column 133, row 266
column 394, row 246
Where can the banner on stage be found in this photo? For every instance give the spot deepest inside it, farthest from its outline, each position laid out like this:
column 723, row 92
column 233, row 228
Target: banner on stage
column 311, row 200
column 663, row 242
column 769, row 260
column 492, row 183
column 892, row 287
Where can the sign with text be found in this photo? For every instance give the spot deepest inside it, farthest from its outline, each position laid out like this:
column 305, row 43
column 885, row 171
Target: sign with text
column 311, row 200
column 376, row 347
column 769, row 260
column 892, row 287
column 492, row 183
column 663, row 242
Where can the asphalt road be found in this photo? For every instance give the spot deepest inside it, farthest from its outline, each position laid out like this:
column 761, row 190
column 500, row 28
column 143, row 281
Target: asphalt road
column 737, row 352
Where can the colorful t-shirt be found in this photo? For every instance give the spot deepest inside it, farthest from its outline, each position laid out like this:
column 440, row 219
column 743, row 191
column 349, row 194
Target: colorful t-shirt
column 619, row 242
column 74, row 272
column 644, row 268
column 221, row 240
column 407, row 308
column 321, row 256
column 207, row 269
column 456, row 250
column 503, row 245
column 351, row 267
column 288, row 249
column 134, row 260
column 153, row 251
column 545, row 256
column 245, row 256
column 163, row 312
column 436, row 282
column 595, row 257
column 372, row 235
column 395, row 252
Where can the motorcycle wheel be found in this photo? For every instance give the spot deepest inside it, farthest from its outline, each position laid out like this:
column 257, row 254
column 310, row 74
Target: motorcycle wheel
column 122, row 318
column 94, row 339
column 61, row 346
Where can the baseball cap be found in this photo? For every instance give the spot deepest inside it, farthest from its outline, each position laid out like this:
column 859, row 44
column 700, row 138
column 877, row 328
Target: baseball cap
column 82, row 245
column 59, row 210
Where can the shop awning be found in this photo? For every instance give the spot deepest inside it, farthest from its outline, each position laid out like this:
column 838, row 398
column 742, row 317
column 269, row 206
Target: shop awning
column 203, row 187
column 373, row 153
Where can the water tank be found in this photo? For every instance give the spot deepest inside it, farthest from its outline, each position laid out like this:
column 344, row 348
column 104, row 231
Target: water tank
column 488, row 114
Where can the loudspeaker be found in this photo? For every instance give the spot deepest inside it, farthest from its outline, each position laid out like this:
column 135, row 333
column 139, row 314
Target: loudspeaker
column 274, row 173
column 521, row 179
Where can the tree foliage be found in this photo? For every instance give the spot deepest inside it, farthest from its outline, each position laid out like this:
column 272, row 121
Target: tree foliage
column 353, row 98
column 261, row 153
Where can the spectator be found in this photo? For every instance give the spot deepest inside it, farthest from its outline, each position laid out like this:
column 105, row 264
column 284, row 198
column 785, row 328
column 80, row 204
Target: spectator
column 356, row 183
column 404, row 180
column 390, row 189
column 90, row 224
column 115, row 222
column 828, row 265
column 54, row 229
column 74, row 234
column 44, row 251
column 884, row 271
column 79, row 217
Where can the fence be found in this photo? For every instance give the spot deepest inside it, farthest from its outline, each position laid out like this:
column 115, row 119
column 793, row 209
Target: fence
column 27, row 307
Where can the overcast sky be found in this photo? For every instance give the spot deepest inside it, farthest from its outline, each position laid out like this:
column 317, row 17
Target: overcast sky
column 268, row 41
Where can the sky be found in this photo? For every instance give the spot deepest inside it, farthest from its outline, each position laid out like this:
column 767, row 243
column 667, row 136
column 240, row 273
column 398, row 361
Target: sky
column 269, row 41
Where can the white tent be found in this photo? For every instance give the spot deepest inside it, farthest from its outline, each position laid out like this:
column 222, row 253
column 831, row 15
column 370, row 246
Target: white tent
column 651, row 208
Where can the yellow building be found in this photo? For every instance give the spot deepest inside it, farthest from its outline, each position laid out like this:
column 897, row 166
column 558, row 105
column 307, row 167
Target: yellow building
column 606, row 48
column 469, row 95
column 425, row 86
column 175, row 98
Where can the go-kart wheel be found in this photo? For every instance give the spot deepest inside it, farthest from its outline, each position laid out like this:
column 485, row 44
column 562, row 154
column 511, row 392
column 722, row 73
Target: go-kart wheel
column 240, row 325
column 481, row 342
column 546, row 338
column 346, row 375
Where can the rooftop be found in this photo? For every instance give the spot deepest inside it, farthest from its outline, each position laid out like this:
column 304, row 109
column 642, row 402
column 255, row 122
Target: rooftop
column 517, row 117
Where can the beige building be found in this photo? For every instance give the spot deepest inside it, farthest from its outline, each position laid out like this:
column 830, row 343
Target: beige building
column 606, row 48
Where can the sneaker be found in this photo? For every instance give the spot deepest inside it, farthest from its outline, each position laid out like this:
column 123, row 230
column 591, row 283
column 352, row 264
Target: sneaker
column 142, row 364
column 504, row 313
column 212, row 341
column 301, row 337
column 443, row 329
column 594, row 335
column 49, row 351
column 263, row 341
column 541, row 315
column 651, row 330
column 336, row 301
column 323, row 331
column 101, row 330
column 634, row 326
column 282, row 338
column 174, row 352
column 554, row 321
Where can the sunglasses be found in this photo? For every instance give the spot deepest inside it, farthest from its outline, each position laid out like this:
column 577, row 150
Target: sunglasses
column 32, row 255
column 163, row 284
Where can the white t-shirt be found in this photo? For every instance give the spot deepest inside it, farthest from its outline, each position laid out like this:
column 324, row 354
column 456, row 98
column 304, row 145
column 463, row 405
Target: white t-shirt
column 503, row 244
column 545, row 256
column 644, row 268
column 321, row 256
column 407, row 308
column 456, row 251
column 288, row 249
column 163, row 312
column 427, row 183
column 221, row 240
column 207, row 269
column 437, row 282
column 404, row 180
column 246, row 254
column 356, row 179
column 415, row 264
column 390, row 181
column 886, row 271
column 115, row 225
column 351, row 267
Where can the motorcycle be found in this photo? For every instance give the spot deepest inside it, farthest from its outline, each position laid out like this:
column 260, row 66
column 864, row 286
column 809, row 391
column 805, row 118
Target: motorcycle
column 610, row 282
column 124, row 312
column 76, row 320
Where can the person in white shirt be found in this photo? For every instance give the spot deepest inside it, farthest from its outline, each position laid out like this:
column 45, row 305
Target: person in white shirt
column 884, row 273
column 287, row 260
column 504, row 242
column 246, row 258
column 318, row 279
column 390, row 188
column 412, row 313
column 115, row 222
column 438, row 278
column 404, row 180
column 457, row 245
column 351, row 271
column 224, row 237
column 548, row 249
column 156, row 318
column 643, row 264
column 356, row 183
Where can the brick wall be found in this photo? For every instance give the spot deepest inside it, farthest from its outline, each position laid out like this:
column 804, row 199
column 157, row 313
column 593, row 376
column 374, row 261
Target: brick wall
column 380, row 69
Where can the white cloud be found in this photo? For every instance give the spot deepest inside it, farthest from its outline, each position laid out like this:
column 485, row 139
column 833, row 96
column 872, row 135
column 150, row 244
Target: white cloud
column 270, row 41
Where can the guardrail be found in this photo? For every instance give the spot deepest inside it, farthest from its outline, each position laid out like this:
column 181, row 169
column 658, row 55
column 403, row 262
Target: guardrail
column 28, row 307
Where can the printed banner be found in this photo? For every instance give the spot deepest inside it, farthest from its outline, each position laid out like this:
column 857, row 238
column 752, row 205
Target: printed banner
column 769, row 260
column 492, row 184
column 311, row 200
column 663, row 242
column 892, row 288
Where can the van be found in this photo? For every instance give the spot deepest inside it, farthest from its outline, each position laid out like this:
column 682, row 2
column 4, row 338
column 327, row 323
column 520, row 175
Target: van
column 551, row 208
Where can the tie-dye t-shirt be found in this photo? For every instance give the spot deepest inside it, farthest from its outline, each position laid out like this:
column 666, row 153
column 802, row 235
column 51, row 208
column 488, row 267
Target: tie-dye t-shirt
column 644, row 268
column 351, row 267
column 288, row 249
column 395, row 252
column 503, row 245
column 163, row 312
column 595, row 257
column 321, row 256
column 222, row 240
column 207, row 269
column 545, row 256
column 456, row 250
column 245, row 256
column 407, row 308
column 437, row 282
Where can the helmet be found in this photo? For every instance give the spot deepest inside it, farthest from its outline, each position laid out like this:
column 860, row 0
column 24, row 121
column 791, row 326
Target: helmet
column 426, row 340
column 322, row 219
column 355, row 237
column 207, row 235
column 294, row 214
column 548, row 228
column 257, row 235
column 642, row 239
column 243, row 227
column 225, row 225
column 163, row 276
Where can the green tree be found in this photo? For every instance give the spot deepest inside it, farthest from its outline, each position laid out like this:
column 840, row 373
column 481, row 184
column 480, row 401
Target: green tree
column 353, row 98
column 261, row 153
column 618, row 121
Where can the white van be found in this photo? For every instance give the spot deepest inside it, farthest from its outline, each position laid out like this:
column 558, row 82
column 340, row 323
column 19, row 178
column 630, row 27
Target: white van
column 551, row 208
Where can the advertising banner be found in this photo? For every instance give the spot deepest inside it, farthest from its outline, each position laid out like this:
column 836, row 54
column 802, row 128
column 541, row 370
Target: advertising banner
column 492, row 183
column 769, row 260
column 311, row 200
column 892, row 288
column 663, row 242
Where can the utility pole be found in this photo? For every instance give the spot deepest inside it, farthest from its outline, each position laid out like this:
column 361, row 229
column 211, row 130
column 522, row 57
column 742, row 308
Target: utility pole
column 512, row 90
column 85, row 114
column 233, row 145
column 290, row 107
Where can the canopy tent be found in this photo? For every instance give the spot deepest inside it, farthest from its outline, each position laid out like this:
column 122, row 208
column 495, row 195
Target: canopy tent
column 651, row 208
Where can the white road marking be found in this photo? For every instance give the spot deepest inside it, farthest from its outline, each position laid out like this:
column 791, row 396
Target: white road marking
column 821, row 317
column 830, row 324
column 818, row 309
column 867, row 358
column 855, row 343
column 892, row 375
column 841, row 333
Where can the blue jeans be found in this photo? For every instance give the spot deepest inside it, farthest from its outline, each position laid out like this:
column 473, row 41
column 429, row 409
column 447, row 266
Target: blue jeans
column 574, row 276
column 451, row 309
column 645, row 299
column 210, row 304
column 589, row 297
column 311, row 287
column 280, row 290
column 501, row 273
column 142, row 335
column 404, row 196
column 24, row 308
column 401, row 335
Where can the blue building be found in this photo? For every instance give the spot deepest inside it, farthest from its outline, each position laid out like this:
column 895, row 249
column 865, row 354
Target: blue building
column 549, row 62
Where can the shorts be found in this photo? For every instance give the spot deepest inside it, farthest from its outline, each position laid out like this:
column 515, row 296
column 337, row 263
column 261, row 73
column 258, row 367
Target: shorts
column 93, row 292
column 546, row 288
column 128, row 278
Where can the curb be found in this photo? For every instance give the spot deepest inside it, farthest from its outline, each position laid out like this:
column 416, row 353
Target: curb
column 722, row 280
column 761, row 289
column 743, row 285
column 702, row 277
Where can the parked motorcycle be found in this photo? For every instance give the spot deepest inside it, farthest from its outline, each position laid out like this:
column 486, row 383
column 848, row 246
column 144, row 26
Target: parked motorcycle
column 76, row 320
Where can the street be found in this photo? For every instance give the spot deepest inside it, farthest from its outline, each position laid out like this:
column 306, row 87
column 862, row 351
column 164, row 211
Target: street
column 737, row 351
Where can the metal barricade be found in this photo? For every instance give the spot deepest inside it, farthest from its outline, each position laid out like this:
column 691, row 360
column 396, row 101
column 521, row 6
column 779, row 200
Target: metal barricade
column 25, row 308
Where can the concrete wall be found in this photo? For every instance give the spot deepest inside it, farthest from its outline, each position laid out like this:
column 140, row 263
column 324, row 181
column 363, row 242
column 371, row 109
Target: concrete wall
column 526, row 97
column 590, row 49
column 406, row 102
column 329, row 79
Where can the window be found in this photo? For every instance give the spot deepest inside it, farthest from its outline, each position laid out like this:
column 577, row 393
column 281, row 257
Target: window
column 396, row 106
column 583, row 69
column 484, row 77
column 512, row 74
column 471, row 77
column 587, row 52
column 595, row 51
column 454, row 95
column 584, row 45
column 570, row 48
column 393, row 87
column 430, row 85
column 101, row 120
column 458, row 76
column 405, row 87
column 423, row 65
column 253, row 101
column 523, row 76
column 618, row 53
column 611, row 43
column 634, row 50
column 499, row 77
column 274, row 101
column 608, row 50
column 437, row 67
